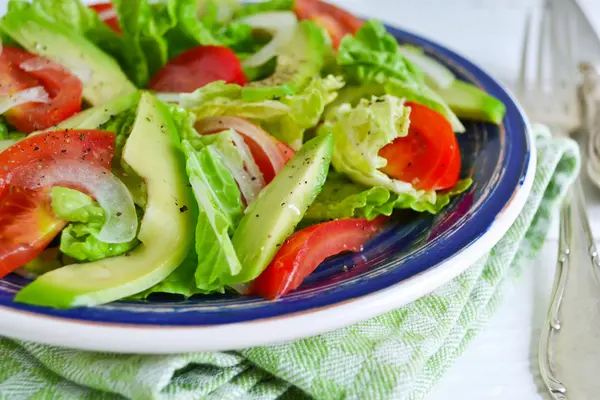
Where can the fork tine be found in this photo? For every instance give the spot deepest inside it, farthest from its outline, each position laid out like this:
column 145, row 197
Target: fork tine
column 542, row 45
column 522, row 83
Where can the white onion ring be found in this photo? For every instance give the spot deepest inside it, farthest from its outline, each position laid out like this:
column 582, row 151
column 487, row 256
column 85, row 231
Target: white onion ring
column 120, row 225
column 281, row 24
column 168, row 97
column 36, row 94
column 39, row 63
column 255, row 180
column 249, row 131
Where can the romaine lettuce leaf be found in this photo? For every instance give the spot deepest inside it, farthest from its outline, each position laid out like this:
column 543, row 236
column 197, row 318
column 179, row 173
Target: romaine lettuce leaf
column 181, row 281
column 220, row 208
column 360, row 132
column 87, row 217
column 373, row 56
column 287, row 118
column 342, row 198
column 264, row 6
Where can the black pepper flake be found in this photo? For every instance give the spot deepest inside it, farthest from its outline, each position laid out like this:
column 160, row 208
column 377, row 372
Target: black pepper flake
column 36, row 148
column 256, row 215
column 119, row 213
column 183, row 209
column 63, row 151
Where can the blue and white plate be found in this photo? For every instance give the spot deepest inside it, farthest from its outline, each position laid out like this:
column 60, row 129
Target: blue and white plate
column 402, row 264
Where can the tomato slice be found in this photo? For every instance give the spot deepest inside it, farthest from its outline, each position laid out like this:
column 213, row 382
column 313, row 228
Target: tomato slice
column 107, row 14
column 286, row 151
column 197, row 67
column 96, row 147
column 302, row 253
column 337, row 21
column 27, row 224
column 64, row 89
column 429, row 156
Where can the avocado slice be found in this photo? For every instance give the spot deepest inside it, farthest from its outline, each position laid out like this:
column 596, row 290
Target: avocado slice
column 469, row 102
column 94, row 117
column 279, row 208
column 102, row 78
column 300, row 61
column 154, row 151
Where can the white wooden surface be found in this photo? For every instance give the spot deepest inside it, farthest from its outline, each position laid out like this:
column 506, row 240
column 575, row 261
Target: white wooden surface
column 501, row 362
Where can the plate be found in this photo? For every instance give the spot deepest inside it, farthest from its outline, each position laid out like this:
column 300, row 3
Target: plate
column 407, row 261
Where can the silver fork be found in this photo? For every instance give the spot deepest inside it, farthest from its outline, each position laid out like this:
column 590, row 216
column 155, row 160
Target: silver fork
column 570, row 340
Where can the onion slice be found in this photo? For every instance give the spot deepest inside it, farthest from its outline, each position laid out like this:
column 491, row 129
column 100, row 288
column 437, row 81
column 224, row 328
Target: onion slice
column 250, row 180
column 36, row 94
column 168, row 97
column 282, row 26
column 249, row 131
column 120, row 224
column 84, row 74
column 438, row 76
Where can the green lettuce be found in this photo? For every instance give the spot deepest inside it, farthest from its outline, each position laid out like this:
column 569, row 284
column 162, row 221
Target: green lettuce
column 181, row 281
column 287, row 118
column 264, row 6
column 373, row 56
column 86, row 217
column 360, row 132
column 341, row 198
column 220, row 209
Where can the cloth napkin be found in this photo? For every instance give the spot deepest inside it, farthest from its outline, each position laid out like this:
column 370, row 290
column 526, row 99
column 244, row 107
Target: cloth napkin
column 398, row 355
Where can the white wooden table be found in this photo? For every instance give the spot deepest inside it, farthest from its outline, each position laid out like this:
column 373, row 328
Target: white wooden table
column 501, row 362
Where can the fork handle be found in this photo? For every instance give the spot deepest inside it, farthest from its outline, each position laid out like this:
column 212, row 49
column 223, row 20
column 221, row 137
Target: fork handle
column 569, row 349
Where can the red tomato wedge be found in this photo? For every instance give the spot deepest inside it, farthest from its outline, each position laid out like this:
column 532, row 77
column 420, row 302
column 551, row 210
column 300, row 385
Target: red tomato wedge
column 93, row 146
column 197, row 67
column 27, row 224
column 107, row 14
column 286, row 151
column 302, row 253
column 429, row 156
column 269, row 153
column 64, row 89
column 337, row 21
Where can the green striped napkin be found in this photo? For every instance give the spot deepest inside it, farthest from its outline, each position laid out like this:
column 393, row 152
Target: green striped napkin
column 397, row 355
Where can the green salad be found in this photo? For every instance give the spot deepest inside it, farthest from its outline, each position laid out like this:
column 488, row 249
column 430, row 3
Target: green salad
column 191, row 147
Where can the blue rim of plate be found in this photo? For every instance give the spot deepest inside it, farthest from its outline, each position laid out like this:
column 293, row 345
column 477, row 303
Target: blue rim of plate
column 508, row 152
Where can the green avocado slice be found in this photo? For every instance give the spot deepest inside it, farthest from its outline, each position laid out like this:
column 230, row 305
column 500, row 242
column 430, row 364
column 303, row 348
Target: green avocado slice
column 272, row 217
column 154, row 152
column 102, row 78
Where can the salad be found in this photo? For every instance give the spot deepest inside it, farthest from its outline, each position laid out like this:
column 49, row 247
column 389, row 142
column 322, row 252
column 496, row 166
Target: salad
column 197, row 147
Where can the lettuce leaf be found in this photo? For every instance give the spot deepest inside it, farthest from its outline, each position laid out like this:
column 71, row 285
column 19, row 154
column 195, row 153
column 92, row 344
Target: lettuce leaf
column 287, row 118
column 342, row 198
column 373, row 56
column 220, row 208
column 264, row 6
column 180, row 282
column 78, row 239
column 360, row 132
